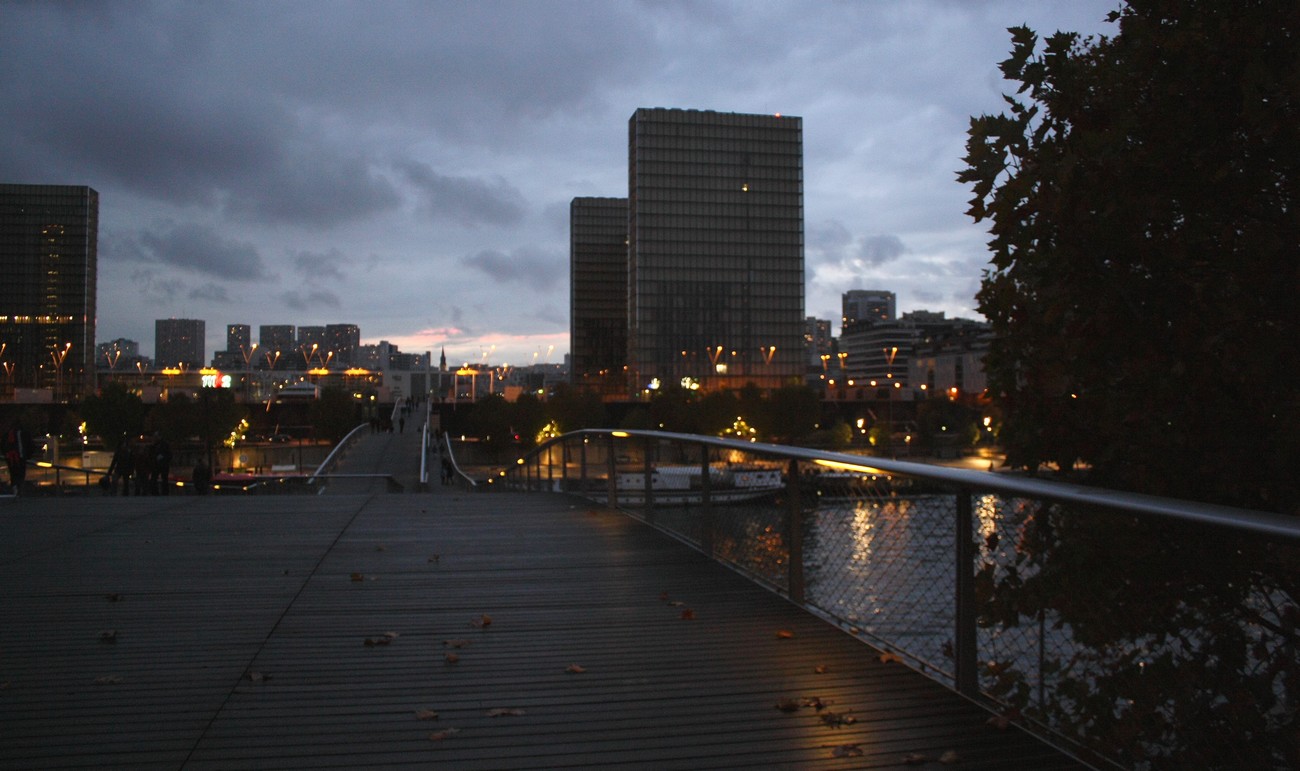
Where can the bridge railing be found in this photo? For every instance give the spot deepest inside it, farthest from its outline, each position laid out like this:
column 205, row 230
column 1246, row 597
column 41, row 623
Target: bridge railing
column 1134, row 631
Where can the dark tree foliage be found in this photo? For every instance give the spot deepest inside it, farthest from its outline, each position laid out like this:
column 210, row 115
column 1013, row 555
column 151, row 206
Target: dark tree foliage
column 1142, row 200
column 113, row 413
column 334, row 414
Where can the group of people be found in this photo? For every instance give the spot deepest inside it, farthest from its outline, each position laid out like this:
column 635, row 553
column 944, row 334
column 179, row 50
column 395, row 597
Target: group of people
column 142, row 464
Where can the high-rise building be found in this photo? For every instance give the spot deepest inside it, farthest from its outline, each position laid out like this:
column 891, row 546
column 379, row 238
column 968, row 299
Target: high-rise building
column 818, row 342
column 276, row 346
column 598, row 293
column 867, row 306
column 342, row 340
column 239, row 338
column 179, row 343
column 48, row 261
column 117, row 355
column 715, row 262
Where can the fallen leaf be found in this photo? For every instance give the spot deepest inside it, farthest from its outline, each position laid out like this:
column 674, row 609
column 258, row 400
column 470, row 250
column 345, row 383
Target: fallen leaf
column 663, row 596
column 1000, row 722
column 575, row 669
column 688, row 615
column 392, row 635
column 816, row 703
column 505, row 712
column 890, row 658
column 114, row 597
column 949, row 758
column 915, row 759
column 425, row 714
column 784, row 634
column 258, row 677
column 434, row 559
column 838, row 719
column 676, row 603
column 358, row 576
column 482, row 622
column 108, row 680
column 381, row 547
column 445, row 733
column 847, row 751
column 373, row 641
column 455, row 643
column 788, row 705
column 108, row 635
column 451, row 658
column 820, row 669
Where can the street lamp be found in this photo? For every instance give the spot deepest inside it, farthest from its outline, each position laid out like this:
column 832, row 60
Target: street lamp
column 59, row 356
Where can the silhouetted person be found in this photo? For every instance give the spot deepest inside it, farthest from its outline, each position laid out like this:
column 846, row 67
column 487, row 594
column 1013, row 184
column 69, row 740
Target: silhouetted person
column 162, row 465
column 17, row 449
column 121, row 467
column 142, row 455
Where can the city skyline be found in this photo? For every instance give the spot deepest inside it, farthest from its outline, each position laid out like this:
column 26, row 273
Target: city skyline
column 410, row 168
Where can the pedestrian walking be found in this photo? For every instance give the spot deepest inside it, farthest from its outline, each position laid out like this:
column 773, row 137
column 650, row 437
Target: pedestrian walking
column 121, row 467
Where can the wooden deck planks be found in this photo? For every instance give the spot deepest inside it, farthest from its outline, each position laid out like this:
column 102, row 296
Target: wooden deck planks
column 203, row 592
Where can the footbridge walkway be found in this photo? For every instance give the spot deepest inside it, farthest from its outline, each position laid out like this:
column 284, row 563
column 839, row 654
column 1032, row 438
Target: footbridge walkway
column 358, row 629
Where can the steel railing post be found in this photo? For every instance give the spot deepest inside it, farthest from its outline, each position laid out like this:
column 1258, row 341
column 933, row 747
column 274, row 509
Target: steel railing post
column 706, row 503
column 966, row 646
column 794, row 533
column 612, row 479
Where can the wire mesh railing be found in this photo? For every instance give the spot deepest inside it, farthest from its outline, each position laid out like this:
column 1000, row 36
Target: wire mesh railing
column 1134, row 631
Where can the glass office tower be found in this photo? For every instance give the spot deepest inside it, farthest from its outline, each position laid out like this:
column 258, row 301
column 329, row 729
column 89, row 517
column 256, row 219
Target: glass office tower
column 48, row 261
column 715, row 258
column 598, row 294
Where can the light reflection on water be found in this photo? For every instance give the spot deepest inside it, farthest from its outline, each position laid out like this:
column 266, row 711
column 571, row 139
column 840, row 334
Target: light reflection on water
column 885, row 567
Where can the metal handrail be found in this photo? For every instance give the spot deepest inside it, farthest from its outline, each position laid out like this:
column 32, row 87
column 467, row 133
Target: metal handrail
column 1256, row 522
column 873, row 561
column 338, row 450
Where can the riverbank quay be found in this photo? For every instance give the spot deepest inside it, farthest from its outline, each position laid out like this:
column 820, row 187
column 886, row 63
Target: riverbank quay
column 453, row 630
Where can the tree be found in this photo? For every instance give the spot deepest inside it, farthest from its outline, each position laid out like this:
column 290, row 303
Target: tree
column 334, row 414
column 113, row 413
column 1142, row 200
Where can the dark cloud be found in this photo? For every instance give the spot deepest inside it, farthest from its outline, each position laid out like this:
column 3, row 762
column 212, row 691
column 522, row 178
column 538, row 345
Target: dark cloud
column 522, row 266
column 878, row 250
column 319, row 265
column 467, row 201
column 191, row 247
column 210, row 292
column 310, row 299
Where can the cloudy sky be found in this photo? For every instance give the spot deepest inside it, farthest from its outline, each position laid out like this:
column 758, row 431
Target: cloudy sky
column 407, row 167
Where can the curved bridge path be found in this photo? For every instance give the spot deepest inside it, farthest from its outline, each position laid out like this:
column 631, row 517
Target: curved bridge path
column 450, row 630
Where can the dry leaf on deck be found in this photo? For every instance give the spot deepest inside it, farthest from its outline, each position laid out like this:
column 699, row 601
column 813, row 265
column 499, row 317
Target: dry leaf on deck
column 445, row 733
column 688, row 615
column 788, row 705
column 505, row 712
column 915, row 759
column 451, row 658
column 890, row 658
column 358, row 576
column 108, row 635
column 425, row 714
column 820, row 669
column 949, row 758
column 838, row 719
column 575, row 669
column 784, row 634
column 482, row 622
column 847, row 751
